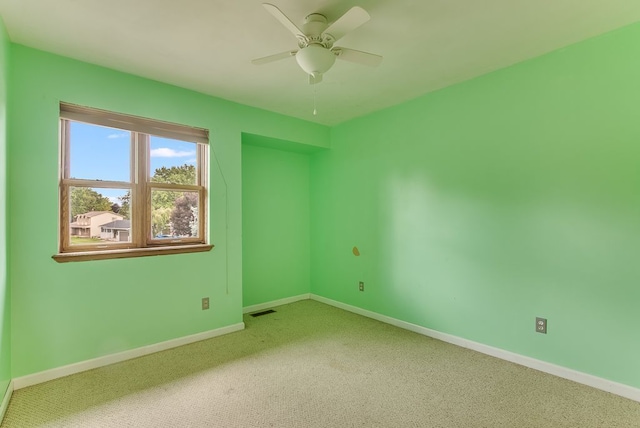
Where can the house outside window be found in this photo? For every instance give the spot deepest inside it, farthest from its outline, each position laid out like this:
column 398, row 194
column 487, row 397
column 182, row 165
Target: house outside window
column 117, row 231
column 88, row 225
column 130, row 186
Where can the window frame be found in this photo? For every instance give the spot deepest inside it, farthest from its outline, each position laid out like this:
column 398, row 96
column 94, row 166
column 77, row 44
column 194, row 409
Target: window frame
column 142, row 242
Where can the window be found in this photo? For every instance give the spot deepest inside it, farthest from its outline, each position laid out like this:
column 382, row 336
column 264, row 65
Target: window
column 130, row 186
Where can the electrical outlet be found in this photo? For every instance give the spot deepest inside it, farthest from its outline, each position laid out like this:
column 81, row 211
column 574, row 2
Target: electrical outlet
column 541, row 325
column 205, row 303
column 361, row 286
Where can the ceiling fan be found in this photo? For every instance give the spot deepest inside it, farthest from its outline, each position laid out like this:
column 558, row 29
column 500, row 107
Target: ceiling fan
column 317, row 53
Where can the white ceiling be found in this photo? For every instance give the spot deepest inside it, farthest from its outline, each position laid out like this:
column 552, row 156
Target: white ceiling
column 207, row 45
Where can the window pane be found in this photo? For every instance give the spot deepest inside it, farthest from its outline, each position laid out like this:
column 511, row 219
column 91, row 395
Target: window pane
column 174, row 214
column 172, row 161
column 99, row 153
column 99, row 216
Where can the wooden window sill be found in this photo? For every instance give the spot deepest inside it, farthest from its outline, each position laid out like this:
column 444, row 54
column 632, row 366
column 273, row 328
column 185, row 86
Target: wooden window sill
column 83, row 256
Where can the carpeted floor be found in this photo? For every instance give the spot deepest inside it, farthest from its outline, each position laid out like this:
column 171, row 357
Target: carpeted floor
column 312, row 365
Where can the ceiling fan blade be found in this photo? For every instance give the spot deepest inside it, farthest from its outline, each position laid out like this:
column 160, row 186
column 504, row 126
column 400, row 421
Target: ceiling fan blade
column 277, row 13
column 272, row 58
column 352, row 19
column 352, row 55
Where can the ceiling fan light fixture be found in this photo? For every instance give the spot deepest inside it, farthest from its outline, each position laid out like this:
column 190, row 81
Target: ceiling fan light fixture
column 315, row 59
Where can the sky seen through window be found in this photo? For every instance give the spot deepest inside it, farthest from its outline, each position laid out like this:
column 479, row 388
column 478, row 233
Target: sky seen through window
column 102, row 153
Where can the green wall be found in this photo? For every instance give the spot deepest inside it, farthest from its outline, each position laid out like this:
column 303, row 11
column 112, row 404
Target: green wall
column 275, row 224
column 65, row 313
column 475, row 208
column 5, row 295
column 481, row 206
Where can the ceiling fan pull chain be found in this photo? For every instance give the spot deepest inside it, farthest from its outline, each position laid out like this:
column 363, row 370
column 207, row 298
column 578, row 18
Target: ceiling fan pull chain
column 315, row 91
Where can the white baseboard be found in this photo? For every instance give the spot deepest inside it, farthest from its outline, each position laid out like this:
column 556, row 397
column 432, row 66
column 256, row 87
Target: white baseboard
column 58, row 372
column 543, row 366
column 279, row 302
column 563, row 372
column 5, row 400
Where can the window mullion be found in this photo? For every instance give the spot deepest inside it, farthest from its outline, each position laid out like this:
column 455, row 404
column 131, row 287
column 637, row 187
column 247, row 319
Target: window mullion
column 140, row 205
column 103, row 184
column 170, row 186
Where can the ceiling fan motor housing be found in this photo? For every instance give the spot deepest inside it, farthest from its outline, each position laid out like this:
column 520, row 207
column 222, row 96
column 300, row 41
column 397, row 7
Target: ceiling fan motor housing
column 314, row 25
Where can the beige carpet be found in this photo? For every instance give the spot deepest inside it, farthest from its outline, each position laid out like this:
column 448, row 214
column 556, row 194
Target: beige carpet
column 311, row 365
